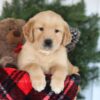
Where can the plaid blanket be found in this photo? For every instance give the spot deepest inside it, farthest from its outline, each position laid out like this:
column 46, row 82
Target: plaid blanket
column 16, row 85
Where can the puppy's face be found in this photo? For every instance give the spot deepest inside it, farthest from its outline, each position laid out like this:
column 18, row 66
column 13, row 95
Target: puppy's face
column 47, row 31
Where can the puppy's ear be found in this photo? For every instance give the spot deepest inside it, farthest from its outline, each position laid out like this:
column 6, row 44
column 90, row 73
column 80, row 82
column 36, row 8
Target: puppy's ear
column 67, row 35
column 28, row 30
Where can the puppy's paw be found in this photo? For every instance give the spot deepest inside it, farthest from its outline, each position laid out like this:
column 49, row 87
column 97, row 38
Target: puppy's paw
column 38, row 83
column 57, row 85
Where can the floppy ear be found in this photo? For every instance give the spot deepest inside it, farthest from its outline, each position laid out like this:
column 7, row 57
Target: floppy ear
column 67, row 35
column 28, row 31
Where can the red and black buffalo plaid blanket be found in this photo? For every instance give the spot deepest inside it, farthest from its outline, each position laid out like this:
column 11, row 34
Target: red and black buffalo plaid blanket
column 16, row 85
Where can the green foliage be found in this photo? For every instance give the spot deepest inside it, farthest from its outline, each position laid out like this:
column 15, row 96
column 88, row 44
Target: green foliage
column 22, row 8
column 85, row 51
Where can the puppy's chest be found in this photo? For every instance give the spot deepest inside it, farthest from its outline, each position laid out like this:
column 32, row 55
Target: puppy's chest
column 45, row 62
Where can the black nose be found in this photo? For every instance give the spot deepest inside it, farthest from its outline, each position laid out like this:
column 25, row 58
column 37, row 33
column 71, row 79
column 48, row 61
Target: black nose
column 48, row 43
column 16, row 33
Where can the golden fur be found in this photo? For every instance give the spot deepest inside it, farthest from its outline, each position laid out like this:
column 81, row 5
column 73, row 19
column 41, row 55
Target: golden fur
column 36, row 59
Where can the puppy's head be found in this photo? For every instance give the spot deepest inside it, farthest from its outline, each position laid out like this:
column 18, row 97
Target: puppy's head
column 47, row 31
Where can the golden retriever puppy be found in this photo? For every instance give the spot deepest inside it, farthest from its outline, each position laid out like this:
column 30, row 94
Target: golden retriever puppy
column 44, row 51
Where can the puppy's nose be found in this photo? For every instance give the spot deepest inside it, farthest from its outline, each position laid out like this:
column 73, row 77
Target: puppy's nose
column 48, row 43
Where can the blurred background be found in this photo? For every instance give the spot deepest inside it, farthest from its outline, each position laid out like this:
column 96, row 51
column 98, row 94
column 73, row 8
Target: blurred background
column 81, row 14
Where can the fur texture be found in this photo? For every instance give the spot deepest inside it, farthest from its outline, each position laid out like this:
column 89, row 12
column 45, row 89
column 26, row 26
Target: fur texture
column 10, row 36
column 37, row 59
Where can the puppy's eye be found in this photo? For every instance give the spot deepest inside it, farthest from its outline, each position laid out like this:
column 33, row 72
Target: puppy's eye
column 41, row 28
column 57, row 31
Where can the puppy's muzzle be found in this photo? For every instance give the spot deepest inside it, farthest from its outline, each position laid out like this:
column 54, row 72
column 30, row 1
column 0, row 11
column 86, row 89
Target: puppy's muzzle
column 48, row 43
